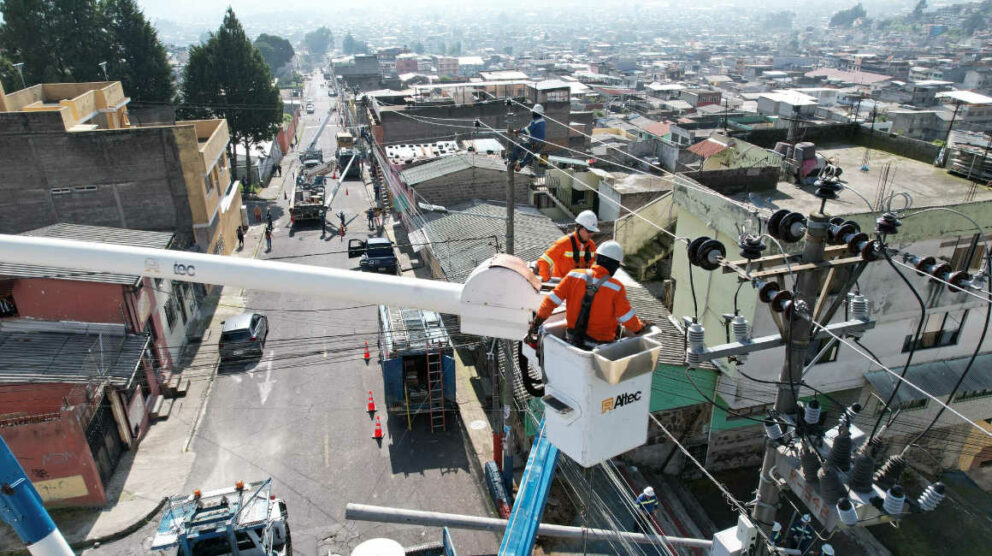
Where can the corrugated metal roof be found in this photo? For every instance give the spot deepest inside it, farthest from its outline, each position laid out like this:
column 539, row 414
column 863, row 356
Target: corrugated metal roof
column 451, row 164
column 937, row 378
column 98, row 234
column 65, row 357
column 446, row 232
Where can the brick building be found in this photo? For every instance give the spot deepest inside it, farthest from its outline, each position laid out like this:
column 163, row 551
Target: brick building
column 70, row 154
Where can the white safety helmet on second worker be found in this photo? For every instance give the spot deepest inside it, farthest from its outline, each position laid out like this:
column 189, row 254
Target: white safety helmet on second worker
column 610, row 250
column 587, row 219
column 538, row 109
column 827, row 550
column 648, row 491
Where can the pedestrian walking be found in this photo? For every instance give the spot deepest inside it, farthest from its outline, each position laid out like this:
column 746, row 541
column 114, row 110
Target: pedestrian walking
column 323, row 225
column 241, row 238
column 370, row 215
column 268, row 239
column 341, row 216
column 258, row 214
column 268, row 218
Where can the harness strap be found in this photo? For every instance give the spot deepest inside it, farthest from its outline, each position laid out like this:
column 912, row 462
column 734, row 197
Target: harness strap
column 582, row 323
column 575, row 252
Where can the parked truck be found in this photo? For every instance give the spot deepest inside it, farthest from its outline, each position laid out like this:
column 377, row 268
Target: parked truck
column 307, row 204
column 377, row 255
column 418, row 365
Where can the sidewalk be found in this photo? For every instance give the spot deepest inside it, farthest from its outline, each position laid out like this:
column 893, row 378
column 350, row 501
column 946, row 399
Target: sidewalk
column 159, row 467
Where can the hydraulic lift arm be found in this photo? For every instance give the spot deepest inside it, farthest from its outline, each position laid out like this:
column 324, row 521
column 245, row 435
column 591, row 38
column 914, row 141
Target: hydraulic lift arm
column 497, row 300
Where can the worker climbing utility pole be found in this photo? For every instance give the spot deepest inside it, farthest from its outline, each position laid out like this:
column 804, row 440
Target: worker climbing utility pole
column 798, row 331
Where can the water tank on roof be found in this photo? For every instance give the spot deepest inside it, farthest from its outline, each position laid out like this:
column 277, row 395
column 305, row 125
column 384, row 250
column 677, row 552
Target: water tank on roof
column 805, row 151
column 379, row 547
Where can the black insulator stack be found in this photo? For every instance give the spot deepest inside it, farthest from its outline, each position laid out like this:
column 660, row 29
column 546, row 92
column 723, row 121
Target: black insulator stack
column 810, row 464
column 861, row 474
column 840, row 452
column 831, row 488
column 890, row 472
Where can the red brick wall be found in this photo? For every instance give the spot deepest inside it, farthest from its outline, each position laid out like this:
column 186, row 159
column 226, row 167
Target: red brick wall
column 50, row 299
column 57, row 459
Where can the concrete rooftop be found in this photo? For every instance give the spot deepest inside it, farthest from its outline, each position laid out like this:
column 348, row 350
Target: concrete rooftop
column 928, row 185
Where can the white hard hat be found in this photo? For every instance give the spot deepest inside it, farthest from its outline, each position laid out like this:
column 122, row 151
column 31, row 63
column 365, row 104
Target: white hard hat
column 777, row 526
column 588, row 220
column 649, row 491
column 827, row 550
column 807, row 518
column 538, row 109
column 610, row 250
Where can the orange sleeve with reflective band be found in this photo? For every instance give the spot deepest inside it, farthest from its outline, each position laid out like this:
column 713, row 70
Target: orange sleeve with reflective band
column 625, row 313
column 551, row 262
column 555, row 298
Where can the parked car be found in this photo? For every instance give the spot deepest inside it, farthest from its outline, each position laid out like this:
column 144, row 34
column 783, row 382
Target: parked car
column 243, row 336
column 310, row 108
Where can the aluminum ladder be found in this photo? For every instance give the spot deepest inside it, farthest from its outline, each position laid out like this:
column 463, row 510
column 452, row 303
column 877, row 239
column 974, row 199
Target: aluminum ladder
column 435, row 387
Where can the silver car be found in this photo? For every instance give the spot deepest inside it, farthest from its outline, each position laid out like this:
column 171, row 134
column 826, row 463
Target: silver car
column 243, row 336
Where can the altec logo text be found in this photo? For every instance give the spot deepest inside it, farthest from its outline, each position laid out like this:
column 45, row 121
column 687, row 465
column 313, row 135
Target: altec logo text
column 609, row 404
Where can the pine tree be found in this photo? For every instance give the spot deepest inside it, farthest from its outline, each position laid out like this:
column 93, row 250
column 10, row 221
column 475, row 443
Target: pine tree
column 228, row 78
column 8, row 76
column 82, row 38
column 138, row 59
column 27, row 36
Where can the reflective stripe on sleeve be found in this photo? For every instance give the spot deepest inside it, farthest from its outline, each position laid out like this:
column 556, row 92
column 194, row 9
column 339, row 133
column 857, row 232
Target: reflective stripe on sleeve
column 554, row 299
column 626, row 316
column 612, row 285
column 547, row 259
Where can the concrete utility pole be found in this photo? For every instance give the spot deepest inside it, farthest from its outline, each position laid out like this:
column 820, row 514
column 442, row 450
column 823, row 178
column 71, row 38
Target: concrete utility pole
column 509, row 206
column 798, row 331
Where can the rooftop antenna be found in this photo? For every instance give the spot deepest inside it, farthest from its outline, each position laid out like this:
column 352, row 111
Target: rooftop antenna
column 103, row 66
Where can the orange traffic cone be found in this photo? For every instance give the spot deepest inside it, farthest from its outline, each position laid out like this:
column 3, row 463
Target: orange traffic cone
column 370, row 406
column 334, row 175
column 367, row 355
column 377, row 431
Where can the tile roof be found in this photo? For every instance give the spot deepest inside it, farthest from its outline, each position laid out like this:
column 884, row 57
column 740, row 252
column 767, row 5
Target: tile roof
column 98, row 234
column 859, row 77
column 708, row 148
column 659, row 129
column 67, row 357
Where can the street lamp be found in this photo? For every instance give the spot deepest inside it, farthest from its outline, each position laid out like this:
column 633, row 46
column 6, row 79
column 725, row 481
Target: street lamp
column 103, row 66
column 20, row 71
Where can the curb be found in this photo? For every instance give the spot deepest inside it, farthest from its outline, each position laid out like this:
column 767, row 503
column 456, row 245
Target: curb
column 110, row 537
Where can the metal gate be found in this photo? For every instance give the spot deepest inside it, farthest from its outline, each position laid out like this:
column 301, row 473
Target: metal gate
column 104, row 440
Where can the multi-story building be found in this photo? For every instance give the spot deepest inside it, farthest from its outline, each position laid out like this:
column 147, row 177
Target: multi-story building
column 952, row 320
column 71, row 154
column 406, row 63
column 447, row 66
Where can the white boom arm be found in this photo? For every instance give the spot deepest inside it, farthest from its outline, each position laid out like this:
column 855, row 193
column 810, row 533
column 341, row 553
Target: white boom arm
column 497, row 299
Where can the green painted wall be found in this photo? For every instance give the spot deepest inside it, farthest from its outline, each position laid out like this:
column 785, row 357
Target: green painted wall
column 670, row 389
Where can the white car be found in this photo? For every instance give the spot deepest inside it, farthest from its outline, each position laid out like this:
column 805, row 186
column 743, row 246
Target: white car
column 310, row 108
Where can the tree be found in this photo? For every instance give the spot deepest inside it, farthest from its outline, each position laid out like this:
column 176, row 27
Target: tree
column 57, row 40
column 973, row 23
column 137, row 57
column 349, row 44
column 228, row 78
column 846, row 18
column 318, row 42
column 918, row 10
column 276, row 51
column 8, row 76
column 418, row 47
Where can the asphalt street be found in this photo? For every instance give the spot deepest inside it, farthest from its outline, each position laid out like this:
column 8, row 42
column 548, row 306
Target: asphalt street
column 298, row 414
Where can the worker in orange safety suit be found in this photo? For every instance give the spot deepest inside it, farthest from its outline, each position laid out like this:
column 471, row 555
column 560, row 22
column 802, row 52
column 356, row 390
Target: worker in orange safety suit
column 595, row 303
column 576, row 250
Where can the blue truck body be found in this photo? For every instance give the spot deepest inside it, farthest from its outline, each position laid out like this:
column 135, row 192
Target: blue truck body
column 406, row 338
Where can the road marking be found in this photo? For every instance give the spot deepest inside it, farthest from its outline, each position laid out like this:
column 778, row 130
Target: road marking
column 265, row 387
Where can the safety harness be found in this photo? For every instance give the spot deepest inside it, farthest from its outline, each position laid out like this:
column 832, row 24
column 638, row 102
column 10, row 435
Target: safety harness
column 575, row 252
column 582, row 323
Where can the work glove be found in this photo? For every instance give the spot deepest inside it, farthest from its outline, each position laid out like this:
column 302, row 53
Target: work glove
column 646, row 326
column 533, row 334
